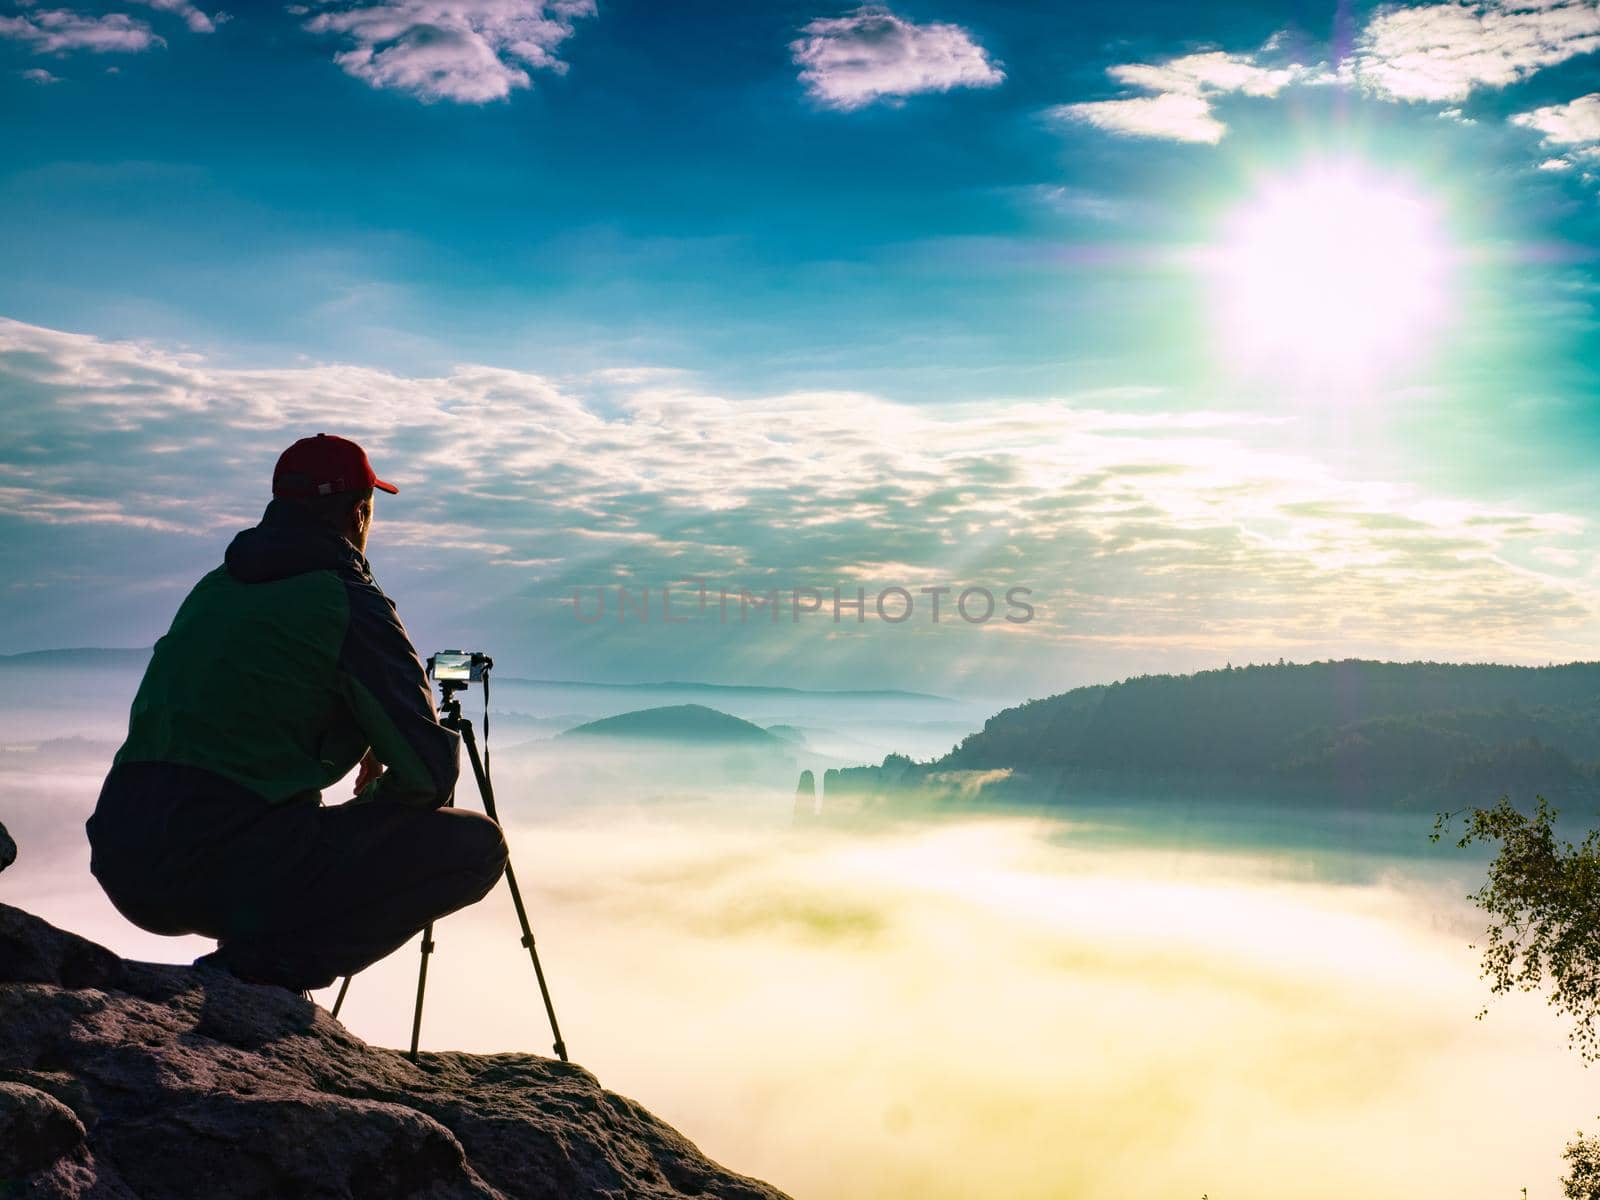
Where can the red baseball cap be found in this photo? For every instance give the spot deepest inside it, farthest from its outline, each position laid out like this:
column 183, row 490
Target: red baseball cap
column 324, row 466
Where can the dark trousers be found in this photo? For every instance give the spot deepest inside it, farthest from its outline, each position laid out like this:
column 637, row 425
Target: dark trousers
column 297, row 894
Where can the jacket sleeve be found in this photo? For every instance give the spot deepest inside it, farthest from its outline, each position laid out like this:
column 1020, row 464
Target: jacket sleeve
column 382, row 680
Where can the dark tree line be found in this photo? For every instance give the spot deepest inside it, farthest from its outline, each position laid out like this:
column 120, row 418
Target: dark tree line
column 1417, row 731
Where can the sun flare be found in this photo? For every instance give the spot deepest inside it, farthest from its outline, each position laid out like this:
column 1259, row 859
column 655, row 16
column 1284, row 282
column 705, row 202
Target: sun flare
column 1331, row 273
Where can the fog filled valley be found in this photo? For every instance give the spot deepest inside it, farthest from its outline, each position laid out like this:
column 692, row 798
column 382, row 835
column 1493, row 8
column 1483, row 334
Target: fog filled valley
column 1096, row 994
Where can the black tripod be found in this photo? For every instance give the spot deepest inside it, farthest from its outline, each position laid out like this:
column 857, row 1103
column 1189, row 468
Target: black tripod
column 450, row 717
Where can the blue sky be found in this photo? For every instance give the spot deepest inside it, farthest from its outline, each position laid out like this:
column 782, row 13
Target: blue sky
column 780, row 295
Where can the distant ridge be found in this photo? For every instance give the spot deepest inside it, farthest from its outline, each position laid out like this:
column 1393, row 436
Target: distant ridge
column 679, row 723
column 78, row 656
column 732, row 688
column 115, row 656
column 1354, row 731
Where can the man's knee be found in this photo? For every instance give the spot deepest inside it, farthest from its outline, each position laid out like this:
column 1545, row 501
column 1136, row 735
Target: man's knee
column 481, row 847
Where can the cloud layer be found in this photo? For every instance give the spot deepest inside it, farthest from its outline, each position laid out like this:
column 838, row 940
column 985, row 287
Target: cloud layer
column 468, row 51
column 870, row 55
column 1121, row 1005
column 1143, row 535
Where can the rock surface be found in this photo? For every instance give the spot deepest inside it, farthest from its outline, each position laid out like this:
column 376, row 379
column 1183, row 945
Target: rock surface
column 8, row 849
column 132, row 1081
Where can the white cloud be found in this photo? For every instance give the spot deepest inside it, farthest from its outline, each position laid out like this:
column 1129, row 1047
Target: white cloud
column 1171, row 116
column 1440, row 52
column 1572, row 124
column 849, row 62
column 40, row 75
column 1180, row 110
column 197, row 21
column 55, row 31
column 1209, row 71
column 469, row 51
column 1572, row 130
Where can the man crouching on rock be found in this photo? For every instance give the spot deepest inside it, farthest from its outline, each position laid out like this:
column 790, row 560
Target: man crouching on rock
column 283, row 669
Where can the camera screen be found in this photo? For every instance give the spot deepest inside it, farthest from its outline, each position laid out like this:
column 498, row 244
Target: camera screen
column 450, row 665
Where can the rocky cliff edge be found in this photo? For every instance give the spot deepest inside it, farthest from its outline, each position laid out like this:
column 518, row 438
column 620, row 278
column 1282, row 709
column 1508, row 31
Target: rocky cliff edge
column 124, row 1080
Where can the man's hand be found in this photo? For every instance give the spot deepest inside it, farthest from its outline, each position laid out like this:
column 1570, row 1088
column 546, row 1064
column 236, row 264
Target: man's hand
column 371, row 769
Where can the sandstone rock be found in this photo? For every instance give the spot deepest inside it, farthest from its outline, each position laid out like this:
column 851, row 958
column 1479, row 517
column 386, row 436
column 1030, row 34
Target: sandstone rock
column 35, row 1130
column 805, row 799
column 123, row 1079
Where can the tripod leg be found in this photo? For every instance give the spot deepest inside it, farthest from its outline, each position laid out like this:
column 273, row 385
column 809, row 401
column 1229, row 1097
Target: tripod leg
column 422, row 984
column 527, row 940
column 464, row 728
column 338, row 1001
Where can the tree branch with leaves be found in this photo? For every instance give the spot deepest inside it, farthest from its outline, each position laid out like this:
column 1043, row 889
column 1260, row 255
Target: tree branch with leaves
column 1543, row 900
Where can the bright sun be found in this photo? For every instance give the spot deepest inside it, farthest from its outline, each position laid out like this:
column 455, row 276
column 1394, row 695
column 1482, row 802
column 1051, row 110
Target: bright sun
column 1333, row 273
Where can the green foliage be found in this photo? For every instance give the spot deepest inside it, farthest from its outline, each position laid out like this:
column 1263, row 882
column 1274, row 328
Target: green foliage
column 1360, row 731
column 1522, row 768
column 1543, row 900
column 1583, row 1169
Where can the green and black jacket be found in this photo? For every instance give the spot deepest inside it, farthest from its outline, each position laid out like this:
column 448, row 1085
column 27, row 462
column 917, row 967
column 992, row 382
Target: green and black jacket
column 283, row 666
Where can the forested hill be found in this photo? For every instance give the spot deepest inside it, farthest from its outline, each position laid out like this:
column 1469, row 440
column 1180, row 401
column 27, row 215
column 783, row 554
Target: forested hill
column 1396, row 730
